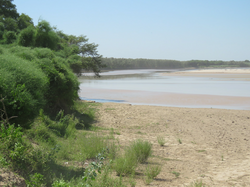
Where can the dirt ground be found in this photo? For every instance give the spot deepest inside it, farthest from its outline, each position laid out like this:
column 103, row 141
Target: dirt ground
column 212, row 145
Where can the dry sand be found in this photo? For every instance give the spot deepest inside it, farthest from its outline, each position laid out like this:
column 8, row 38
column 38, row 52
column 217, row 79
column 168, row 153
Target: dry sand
column 215, row 142
column 225, row 74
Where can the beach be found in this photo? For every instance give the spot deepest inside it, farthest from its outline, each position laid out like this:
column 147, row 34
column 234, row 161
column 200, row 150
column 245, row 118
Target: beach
column 211, row 145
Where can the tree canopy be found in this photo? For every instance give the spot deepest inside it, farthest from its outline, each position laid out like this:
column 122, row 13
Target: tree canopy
column 8, row 9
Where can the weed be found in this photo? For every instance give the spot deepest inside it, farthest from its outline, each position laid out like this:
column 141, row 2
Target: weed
column 142, row 150
column 200, row 151
column 161, row 140
column 197, row 184
column 125, row 164
column 151, row 173
column 179, row 140
column 177, row 174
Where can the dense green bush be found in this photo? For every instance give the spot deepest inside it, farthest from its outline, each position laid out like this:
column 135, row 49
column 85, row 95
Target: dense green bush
column 46, row 37
column 9, row 37
column 23, row 86
column 27, row 36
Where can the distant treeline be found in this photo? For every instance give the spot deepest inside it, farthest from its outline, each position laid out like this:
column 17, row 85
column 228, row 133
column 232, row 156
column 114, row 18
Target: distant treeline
column 124, row 63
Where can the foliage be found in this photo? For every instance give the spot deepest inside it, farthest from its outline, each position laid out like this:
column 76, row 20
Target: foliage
column 24, row 21
column 8, row 9
column 151, row 173
column 46, row 37
column 197, row 184
column 22, row 85
column 141, row 149
column 123, row 63
column 27, row 37
column 9, row 37
column 10, row 24
column 177, row 174
column 126, row 164
column 161, row 140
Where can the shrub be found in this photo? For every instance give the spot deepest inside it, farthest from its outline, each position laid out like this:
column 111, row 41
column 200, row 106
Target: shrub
column 9, row 37
column 27, row 37
column 151, row 173
column 22, row 85
column 161, row 140
column 125, row 164
column 46, row 37
column 141, row 149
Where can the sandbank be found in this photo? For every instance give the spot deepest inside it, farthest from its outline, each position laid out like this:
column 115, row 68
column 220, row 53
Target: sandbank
column 214, row 148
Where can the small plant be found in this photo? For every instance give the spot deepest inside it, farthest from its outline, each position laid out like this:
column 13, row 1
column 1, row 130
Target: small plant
column 151, row 173
column 161, row 140
column 222, row 158
column 125, row 165
column 36, row 180
column 179, row 140
column 197, row 184
column 200, row 151
column 177, row 174
column 141, row 149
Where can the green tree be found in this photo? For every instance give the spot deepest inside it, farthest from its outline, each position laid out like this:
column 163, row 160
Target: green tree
column 46, row 36
column 24, row 21
column 10, row 24
column 8, row 9
column 27, row 36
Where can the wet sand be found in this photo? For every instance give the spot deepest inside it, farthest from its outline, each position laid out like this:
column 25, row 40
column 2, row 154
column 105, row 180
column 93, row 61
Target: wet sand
column 169, row 99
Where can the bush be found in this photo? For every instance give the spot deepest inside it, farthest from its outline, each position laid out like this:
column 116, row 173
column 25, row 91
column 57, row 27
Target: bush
column 27, row 37
column 23, row 85
column 141, row 149
column 45, row 36
column 63, row 84
column 125, row 164
column 9, row 37
column 151, row 173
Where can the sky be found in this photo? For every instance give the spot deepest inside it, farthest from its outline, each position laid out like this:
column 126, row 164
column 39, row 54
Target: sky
column 152, row 29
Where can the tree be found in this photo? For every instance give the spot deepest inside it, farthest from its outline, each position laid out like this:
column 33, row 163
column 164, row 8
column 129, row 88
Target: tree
column 46, row 36
column 27, row 37
column 80, row 53
column 8, row 9
column 24, row 21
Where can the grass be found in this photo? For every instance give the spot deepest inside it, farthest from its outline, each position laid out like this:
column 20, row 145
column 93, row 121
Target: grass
column 161, row 140
column 179, row 140
column 141, row 149
column 151, row 173
column 137, row 152
column 197, row 184
column 177, row 174
column 201, row 151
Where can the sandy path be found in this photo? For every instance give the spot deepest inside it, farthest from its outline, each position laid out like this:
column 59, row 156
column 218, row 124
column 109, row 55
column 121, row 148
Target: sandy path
column 215, row 143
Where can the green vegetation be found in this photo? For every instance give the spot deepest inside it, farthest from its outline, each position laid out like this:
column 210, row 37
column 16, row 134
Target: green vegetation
column 151, row 173
column 161, row 140
column 123, row 63
column 177, row 174
column 197, row 184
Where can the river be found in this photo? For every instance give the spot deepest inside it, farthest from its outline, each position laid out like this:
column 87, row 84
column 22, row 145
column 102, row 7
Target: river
column 154, row 87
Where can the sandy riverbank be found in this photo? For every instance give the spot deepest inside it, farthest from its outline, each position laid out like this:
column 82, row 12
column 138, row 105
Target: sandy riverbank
column 215, row 142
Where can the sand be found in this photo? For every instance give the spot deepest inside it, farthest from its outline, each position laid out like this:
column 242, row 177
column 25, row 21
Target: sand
column 215, row 144
column 239, row 74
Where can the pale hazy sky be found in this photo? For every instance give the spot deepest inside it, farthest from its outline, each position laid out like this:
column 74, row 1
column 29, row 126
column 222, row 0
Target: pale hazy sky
column 154, row 29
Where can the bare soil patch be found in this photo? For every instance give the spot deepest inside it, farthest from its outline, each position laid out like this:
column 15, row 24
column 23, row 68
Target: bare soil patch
column 212, row 145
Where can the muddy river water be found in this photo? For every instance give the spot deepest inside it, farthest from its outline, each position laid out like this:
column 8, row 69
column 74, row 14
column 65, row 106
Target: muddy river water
column 165, row 88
